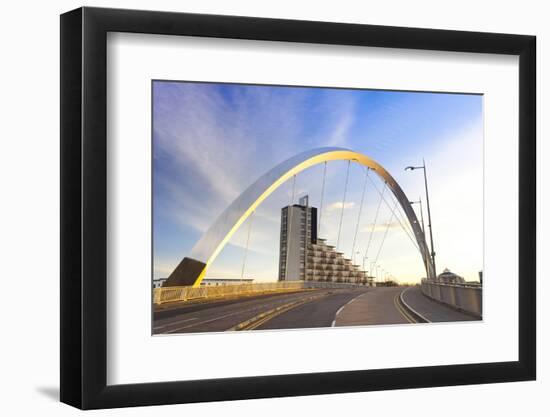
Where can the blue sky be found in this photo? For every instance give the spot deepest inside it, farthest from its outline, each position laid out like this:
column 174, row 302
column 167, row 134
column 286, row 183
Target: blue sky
column 211, row 141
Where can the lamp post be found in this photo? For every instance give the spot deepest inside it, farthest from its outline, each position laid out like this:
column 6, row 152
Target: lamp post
column 421, row 214
column 421, row 217
column 423, row 167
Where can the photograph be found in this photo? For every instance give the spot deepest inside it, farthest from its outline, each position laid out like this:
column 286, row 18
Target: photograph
column 280, row 207
column 246, row 208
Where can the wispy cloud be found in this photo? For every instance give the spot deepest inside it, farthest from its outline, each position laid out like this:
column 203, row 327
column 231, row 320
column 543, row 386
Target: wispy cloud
column 339, row 135
column 381, row 227
column 339, row 204
column 211, row 143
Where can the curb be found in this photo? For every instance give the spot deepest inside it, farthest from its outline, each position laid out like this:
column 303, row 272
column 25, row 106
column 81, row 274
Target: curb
column 415, row 314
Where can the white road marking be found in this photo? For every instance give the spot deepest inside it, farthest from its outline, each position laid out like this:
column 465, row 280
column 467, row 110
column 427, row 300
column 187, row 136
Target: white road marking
column 344, row 306
column 209, row 321
column 174, row 322
column 254, row 307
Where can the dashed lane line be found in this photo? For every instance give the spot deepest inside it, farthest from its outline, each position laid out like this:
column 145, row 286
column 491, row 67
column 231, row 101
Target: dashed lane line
column 174, row 323
column 341, row 308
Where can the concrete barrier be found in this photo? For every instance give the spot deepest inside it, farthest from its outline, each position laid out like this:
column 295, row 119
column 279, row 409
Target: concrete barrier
column 463, row 297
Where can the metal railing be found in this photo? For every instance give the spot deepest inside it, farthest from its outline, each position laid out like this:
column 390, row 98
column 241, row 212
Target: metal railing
column 171, row 294
column 465, row 297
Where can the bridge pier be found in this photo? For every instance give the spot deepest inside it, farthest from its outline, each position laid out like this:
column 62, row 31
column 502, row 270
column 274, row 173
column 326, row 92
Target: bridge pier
column 187, row 273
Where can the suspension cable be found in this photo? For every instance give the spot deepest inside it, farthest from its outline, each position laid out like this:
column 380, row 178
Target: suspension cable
column 343, row 206
column 403, row 216
column 406, row 226
column 251, row 217
column 359, row 215
column 386, row 232
column 400, row 223
column 375, row 220
column 322, row 198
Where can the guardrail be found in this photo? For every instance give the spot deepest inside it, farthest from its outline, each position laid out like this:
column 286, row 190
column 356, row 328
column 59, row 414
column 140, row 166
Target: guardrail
column 464, row 297
column 171, row 294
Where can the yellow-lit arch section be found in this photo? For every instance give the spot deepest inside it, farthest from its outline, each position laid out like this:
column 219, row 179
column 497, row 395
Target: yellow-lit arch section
column 191, row 270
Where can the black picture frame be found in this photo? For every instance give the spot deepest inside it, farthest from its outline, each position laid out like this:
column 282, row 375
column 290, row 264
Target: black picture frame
column 84, row 207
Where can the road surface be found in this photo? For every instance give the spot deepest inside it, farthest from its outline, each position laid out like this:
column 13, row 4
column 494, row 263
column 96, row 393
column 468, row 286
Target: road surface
column 374, row 307
column 306, row 309
column 316, row 313
column 222, row 316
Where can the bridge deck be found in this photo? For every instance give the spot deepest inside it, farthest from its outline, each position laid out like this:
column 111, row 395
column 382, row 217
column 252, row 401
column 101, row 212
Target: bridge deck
column 305, row 309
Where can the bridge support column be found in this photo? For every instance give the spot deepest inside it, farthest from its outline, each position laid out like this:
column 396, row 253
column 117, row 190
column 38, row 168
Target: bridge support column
column 188, row 272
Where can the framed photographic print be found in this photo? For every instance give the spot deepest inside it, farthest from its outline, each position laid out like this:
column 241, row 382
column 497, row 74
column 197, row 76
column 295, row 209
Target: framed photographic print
column 259, row 207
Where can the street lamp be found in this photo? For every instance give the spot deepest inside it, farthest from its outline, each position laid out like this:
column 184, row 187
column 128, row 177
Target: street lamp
column 421, row 214
column 423, row 167
column 372, row 270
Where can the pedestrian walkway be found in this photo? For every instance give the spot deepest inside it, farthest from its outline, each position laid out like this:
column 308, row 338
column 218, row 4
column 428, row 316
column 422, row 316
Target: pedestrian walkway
column 374, row 307
column 432, row 310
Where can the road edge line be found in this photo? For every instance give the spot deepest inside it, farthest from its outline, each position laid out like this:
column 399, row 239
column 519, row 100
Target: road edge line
column 402, row 310
column 411, row 310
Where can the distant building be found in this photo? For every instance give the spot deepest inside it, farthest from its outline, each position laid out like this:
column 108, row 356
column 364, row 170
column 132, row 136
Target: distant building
column 324, row 263
column 157, row 283
column 298, row 230
column 226, row 281
column 449, row 277
column 305, row 257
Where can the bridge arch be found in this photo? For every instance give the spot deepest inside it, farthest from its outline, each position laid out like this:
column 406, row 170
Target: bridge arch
column 191, row 270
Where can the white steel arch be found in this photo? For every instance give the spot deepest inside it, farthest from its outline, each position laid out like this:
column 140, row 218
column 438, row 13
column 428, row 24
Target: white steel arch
column 191, row 269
